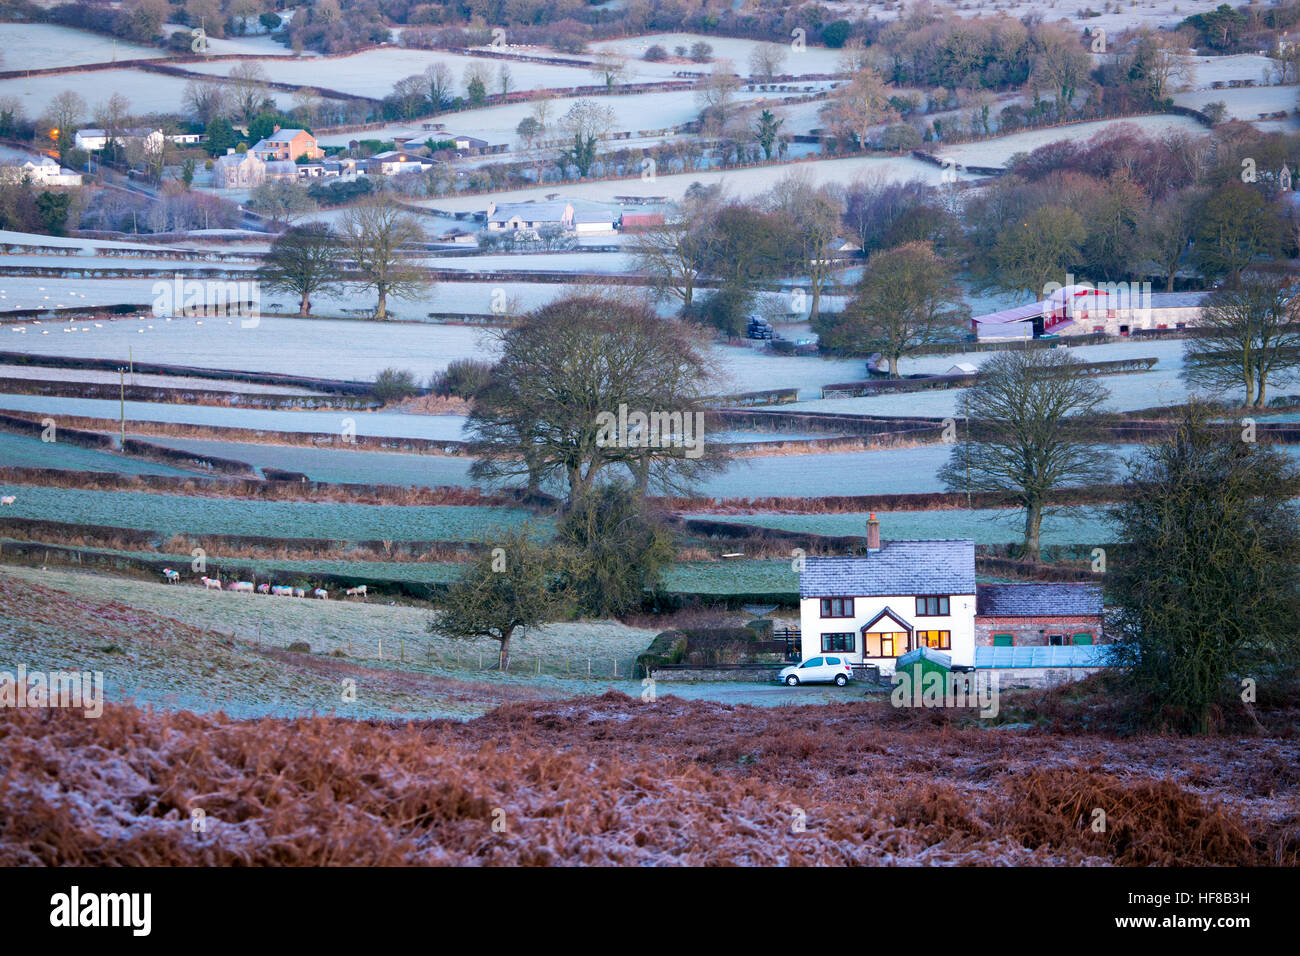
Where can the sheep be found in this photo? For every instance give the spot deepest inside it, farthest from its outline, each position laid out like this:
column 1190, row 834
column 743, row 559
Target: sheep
column 240, row 586
column 359, row 589
column 299, row 592
column 321, row 593
column 264, row 589
column 8, row 499
column 211, row 584
column 280, row 590
column 172, row 577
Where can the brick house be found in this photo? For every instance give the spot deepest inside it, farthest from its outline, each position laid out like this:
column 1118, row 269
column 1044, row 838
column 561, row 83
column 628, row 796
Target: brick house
column 1038, row 615
column 287, row 144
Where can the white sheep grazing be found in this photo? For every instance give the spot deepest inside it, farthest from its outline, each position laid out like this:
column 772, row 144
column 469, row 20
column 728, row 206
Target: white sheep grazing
column 299, row 592
column 321, row 593
column 211, row 584
column 359, row 589
column 171, row 576
column 280, row 590
column 241, row 586
column 8, row 499
column 264, row 589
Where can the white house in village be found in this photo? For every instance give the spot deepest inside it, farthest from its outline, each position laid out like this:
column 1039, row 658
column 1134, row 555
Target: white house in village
column 900, row 596
column 92, row 139
column 40, row 171
column 238, row 171
column 584, row 218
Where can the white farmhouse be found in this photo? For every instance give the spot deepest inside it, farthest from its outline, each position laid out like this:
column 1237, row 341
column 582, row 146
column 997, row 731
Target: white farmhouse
column 900, row 596
column 40, row 171
column 575, row 216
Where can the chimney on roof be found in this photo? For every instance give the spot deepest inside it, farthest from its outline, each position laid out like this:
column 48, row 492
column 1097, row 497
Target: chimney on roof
column 873, row 534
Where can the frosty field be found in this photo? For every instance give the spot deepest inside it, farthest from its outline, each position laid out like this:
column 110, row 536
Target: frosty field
column 43, row 45
column 327, row 464
column 22, row 451
column 181, row 514
column 372, row 424
column 998, row 150
column 1086, row 525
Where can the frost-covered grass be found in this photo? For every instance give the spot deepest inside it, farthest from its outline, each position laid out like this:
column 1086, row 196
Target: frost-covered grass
column 172, row 645
column 1086, row 525
column 43, row 45
column 740, row 183
column 148, row 92
column 998, row 150
column 178, row 514
column 1245, row 103
column 812, row 59
column 373, row 72
column 1161, row 385
column 380, row 424
column 22, row 451
column 329, row 464
column 49, row 374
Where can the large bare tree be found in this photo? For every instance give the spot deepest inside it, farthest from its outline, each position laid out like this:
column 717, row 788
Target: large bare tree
column 814, row 213
column 1024, row 436
column 565, row 368
column 858, row 105
column 248, row 88
column 907, row 298
column 1247, row 335
column 379, row 236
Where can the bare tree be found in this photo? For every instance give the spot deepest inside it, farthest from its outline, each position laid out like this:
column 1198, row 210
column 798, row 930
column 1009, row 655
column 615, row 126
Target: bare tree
column 65, row 113
column 440, row 82
column 858, row 105
column 112, row 115
column 676, row 254
column 1023, row 434
column 248, row 88
column 814, row 213
column 303, row 261
column 908, row 298
column 1247, row 334
column 766, row 60
column 570, row 365
column 379, row 236
column 609, row 68
column 585, row 124
column 505, row 79
column 205, row 100
column 306, row 104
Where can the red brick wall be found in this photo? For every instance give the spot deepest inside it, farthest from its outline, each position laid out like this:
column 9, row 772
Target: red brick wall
column 1025, row 630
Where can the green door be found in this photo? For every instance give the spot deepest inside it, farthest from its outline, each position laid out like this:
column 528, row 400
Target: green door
column 1083, row 639
column 1001, row 640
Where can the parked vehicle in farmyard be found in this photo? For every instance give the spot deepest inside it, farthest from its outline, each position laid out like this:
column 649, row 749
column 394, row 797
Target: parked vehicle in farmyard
column 817, row 670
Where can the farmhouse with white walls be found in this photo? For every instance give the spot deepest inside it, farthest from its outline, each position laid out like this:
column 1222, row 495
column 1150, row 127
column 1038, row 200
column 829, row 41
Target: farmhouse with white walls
column 899, row 596
column 903, row 595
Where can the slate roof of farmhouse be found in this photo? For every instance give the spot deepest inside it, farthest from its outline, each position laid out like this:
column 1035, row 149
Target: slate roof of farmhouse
column 1058, row 599
column 898, row 568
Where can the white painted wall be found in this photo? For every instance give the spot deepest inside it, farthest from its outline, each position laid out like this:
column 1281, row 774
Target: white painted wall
column 960, row 621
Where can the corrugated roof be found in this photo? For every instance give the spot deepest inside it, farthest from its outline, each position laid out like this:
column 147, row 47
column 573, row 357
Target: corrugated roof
column 898, row 568
column 1038, row 600
column 1082, row 655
